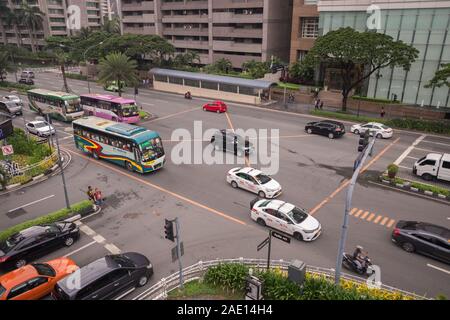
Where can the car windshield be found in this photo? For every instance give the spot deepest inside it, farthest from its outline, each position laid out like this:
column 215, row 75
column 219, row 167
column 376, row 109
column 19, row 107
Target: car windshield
column 2, row 290
column 151, row 149
column 44, row 269
column 129, row 110
column 40, row 124
column 298, row 215
column 122, row 261
column 384, row 127
column 262, row 178
column 10, row 243
column 73, row 105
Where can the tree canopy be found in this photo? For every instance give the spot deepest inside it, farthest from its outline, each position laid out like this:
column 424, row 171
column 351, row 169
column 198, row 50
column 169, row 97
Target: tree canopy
column 350, row 50
column 441, row 77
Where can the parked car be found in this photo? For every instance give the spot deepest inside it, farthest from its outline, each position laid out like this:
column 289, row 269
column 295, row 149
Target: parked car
column 254, row 181
column 26, row 80
column 425, row 238
column 107, row 278
column 286, row 218
column 40, row 128
column 432, row 166
column 27, row 74
column 10, row 107
column 113, row 86
column 216, row 106
column 329, row 128
column 35, row 242
column 227, row 140
column 34, row 281
column 375, row 128
column 13, row 98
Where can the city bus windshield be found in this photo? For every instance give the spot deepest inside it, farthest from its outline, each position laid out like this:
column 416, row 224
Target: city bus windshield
column 73, row 105
column 129, row 110
column 151, row 149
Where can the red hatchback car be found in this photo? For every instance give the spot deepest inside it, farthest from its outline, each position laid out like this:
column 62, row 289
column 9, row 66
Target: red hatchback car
column 216, row 106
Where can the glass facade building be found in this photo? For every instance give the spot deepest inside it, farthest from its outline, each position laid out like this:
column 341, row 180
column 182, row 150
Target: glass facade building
column 427, row 29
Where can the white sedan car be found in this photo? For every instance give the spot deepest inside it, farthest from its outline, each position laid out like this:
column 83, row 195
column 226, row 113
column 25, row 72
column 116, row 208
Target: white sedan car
column 14, row 98
column 286, row 218
column 379, row 129
column 254, row 181
column 40, row 128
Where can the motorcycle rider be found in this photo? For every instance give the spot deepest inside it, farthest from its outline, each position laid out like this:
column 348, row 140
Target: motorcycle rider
column 187, row 95
column 359, row 257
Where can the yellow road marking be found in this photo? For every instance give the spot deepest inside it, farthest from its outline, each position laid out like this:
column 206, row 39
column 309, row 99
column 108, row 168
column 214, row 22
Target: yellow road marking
column 384, row 221
column 229, row 121
column 358, row 213
column 365, row 215
column 371, row 217
column 176, row 195
column 353, row 211
column 377, row 219
column 391, row 222
column 346, row 182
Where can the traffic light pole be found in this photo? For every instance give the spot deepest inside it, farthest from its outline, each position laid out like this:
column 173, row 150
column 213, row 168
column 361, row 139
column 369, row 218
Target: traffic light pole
column 177, row 226
column 348, row 203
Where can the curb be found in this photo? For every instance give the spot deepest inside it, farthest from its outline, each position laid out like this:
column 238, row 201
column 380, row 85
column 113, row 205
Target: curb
column 408, row 187
column 96, row 209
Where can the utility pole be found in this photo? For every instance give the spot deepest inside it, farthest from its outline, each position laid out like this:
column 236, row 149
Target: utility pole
column 357, row 168
column 177, row 226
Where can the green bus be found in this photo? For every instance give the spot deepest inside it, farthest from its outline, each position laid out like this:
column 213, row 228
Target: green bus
column 60, row 105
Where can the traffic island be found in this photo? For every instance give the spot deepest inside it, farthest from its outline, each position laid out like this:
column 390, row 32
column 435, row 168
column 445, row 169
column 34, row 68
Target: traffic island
column 77, row 210
column 416, row 187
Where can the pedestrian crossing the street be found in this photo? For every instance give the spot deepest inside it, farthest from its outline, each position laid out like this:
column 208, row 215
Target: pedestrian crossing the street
column 372, row 217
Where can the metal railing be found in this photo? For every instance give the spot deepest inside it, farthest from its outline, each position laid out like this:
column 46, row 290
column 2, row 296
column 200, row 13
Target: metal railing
column 196, row 271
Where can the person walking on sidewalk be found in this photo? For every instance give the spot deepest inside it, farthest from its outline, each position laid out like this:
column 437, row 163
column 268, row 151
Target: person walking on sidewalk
column 382, row 113
column 90, row 194
column 321, row 105
column 98, row 197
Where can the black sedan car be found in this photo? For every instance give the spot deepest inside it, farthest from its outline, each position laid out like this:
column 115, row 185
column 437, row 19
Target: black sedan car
column 34, row 242
column 425, row 238
column 111, row 277
column 329, row 128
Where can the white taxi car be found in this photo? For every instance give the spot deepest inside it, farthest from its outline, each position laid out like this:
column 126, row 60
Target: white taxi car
column 286, row 218
column 379, row 129
column 254, row 181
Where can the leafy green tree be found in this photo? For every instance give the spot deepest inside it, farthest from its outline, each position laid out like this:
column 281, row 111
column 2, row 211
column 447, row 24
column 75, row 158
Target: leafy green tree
column 11, row 19
column 441, row 77
column 32, row 17
column 3, row 177
column 348, row 50
column 5, row 64
column 111, row 26
column 220, row 66
column 301, row 72
column 118, row 67
column 256, row 69
column 186, row 60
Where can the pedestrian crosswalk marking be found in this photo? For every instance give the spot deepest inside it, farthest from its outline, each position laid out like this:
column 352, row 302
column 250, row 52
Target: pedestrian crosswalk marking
column 374, row 217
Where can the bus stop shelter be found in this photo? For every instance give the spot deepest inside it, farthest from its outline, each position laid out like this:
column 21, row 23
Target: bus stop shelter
column 212, row 86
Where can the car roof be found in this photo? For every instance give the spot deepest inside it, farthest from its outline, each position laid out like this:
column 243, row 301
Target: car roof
column 434, row 156
column 280, row 205
column 18, row 276
column 250, row 171
column 426, row 227
column 91, row 272
column 332, row 122
column 38, row 121
column 33, row 231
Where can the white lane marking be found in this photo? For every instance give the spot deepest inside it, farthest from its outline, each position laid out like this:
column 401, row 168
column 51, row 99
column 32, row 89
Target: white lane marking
column 426, row 150
column 147, row 104
column 409, row 149
column 31, row 203
column 444, row 144
column 112, row 248
column 437, row 268
column 87, row 230
column 81, row 248
column 99, row 238
column 405, row 167
column 414, row 158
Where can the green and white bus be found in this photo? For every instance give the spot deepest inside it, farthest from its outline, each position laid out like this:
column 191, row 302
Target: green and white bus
column 61, row 105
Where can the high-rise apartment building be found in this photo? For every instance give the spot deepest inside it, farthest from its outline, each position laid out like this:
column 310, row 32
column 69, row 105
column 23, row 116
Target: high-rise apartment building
column 423, row 24
column 61, row 18
column 305, row 28
column 238, row 30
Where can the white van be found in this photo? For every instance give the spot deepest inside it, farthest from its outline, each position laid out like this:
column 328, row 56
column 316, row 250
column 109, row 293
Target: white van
column 433, row 165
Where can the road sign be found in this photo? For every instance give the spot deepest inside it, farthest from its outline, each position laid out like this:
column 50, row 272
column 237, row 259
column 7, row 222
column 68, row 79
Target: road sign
column 175, row 253
column 281, row 237
column 7, row 150
column 263, row 244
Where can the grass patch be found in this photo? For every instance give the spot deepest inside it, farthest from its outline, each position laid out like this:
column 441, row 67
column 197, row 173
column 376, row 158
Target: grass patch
column 76, row 76
column 49, row 218
column 201, row 289
column 20, row 87
column 287, row 85
column 418, row 185
column 344, row 116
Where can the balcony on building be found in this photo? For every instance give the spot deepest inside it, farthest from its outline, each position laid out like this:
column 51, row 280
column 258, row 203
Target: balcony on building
column 141, row 29
column 184, row 5
column 187, row 29
column 228, row 45
column 128, row 5
column 230, row 31
column 238, row 4
column 251, row 15
column 182, row 16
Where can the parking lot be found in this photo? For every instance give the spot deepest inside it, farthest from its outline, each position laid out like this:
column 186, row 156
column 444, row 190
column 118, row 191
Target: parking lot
column 215, row 222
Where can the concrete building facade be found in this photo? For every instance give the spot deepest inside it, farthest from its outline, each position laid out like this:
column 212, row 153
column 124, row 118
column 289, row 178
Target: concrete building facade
column 423, row 24
column 238, row 30
column 60, row 19
column 305, row 28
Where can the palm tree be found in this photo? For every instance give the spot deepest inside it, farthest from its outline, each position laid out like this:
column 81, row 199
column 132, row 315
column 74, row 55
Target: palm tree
column 11, row 19
column 223, row 65
column 112, row 26
column 84, row 33
column 62, row 58
column 118, row 67
column 5, row 64
column 32, row 17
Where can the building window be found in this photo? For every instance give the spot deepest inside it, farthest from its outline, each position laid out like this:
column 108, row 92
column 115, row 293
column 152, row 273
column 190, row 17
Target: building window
column 309, row 27
column 301, row 55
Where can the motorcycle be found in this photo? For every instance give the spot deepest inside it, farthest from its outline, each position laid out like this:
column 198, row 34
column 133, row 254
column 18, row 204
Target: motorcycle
column 187, row 95
column 349, row 263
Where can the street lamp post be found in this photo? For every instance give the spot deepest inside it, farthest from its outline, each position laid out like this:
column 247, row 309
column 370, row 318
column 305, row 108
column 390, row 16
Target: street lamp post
column 87, row 68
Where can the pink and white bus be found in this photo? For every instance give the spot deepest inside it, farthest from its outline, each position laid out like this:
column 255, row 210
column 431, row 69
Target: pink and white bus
column 110, row 107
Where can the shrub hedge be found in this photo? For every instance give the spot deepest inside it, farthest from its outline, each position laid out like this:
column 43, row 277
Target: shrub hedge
column 278, row 287
column 76, row 76
column 49, row 218
column 23, row 88
column 387, row 101
column 420, row 186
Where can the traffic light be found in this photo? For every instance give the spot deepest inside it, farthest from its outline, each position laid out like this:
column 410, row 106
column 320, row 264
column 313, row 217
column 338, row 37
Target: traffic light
column 363, row 140
column 168, row 230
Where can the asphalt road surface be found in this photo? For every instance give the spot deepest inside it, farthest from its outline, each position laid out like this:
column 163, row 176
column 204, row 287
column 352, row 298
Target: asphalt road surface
column 214, row 217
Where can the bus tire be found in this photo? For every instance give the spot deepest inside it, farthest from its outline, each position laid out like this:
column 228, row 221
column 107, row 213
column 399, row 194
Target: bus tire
column 129, row 166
